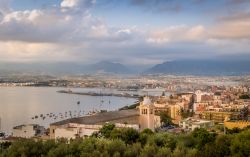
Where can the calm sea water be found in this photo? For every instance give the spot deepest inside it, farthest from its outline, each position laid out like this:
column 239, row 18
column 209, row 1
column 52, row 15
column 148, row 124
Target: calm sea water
column 19, row 104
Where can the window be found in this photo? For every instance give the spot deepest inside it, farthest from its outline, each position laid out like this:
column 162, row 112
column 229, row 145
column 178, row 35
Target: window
column 151, row 111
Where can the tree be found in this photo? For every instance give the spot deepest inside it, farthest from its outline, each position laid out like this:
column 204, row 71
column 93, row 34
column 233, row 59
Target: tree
column 203, row 137
column 179, row 152
column 186, row 113
column 128, row 135
column 133, row 150
column 163, row 152
column 241, row 144
column 147, row 131
column 114, row 146
column 163, row 140
column 244, row 96
column 186, row 140
column 106, row 130
column 165, row 119
column 148, row 151
column 222, row 145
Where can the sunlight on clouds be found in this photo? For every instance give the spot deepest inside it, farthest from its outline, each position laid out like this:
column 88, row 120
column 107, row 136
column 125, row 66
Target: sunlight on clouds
column 22, row 51
column 22, row 16
column 177, row 34
column 232, row 30
column 69, row 3
column 69, row 31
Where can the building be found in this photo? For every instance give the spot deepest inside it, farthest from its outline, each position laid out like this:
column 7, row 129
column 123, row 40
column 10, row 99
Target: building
column 85, row 126
column 190, row 124
column 220, row 116
column 74, row 130
column 148, row 118
column 28, row 131
column 198, row 95
column 236, row 124
column 139, row 119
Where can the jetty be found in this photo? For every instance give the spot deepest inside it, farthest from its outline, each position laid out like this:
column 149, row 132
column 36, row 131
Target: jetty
column 127, row 95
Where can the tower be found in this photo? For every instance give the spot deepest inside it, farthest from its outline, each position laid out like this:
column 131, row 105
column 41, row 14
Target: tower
column 147, row 114
column 198, row 94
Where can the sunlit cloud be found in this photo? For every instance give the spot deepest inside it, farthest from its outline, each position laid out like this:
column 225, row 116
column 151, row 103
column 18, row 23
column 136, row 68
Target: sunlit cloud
column 73, row 31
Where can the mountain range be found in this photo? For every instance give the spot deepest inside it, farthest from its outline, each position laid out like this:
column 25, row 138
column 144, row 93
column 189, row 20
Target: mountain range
column 201, row 67
column 181, row 67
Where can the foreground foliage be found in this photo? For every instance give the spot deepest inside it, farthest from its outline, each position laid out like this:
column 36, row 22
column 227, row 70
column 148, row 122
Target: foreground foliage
column 127, row 142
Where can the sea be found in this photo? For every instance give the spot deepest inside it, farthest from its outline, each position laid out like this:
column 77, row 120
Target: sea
column 44, row 105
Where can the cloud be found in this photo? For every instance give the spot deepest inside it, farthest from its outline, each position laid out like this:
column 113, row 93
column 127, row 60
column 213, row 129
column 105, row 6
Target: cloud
column 70, row 32
column 33, row 26
column 177, row 34
column 235, row 26
column 79, row 5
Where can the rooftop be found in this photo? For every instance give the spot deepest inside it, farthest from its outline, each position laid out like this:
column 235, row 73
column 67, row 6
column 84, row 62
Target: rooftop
column 24, row 125
column 100, row 117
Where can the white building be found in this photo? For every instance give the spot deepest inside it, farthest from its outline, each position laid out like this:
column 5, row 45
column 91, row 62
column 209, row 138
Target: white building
column 28, row 131
column 85, row 126
column 191, row 124
column 73, row 130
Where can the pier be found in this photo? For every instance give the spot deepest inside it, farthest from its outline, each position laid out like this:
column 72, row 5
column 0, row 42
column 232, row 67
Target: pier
column 127, row 95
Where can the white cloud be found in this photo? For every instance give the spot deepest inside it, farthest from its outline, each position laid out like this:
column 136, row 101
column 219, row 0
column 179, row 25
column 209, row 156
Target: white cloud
column 76, row 5
column 177, row 34
column 69, row 3
column 71, row 32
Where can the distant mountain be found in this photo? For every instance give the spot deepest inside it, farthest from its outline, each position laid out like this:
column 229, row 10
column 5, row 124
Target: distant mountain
column 201, row 67
column 63, row 68
column 109, row 67
column 182, row 67
column 41, row 68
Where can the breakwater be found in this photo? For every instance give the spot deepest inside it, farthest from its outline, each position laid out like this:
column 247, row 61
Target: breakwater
column 127, row 95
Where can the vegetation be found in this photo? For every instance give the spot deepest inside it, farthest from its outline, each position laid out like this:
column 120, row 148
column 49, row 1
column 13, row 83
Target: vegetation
column 127, row 142
column 165, row 119
column 186, row 113
column 245, row 96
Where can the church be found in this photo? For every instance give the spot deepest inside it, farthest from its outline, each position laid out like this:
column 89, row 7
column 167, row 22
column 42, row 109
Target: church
column 140, row 118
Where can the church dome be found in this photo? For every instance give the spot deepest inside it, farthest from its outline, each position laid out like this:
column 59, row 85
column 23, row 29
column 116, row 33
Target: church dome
column 146, row 101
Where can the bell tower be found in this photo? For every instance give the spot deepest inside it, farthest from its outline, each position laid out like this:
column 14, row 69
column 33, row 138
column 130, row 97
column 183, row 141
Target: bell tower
column 147, row 114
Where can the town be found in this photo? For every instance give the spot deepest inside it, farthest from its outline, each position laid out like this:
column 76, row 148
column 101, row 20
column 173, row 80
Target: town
column 184, row 103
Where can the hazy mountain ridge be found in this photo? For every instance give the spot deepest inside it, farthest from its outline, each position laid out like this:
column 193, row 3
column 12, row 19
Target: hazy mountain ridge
column 105, row 66
column 184, row 67
column 201, row 67
column 64, row 68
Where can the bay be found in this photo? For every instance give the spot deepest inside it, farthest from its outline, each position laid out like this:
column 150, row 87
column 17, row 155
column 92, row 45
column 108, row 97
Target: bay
column 18, row 105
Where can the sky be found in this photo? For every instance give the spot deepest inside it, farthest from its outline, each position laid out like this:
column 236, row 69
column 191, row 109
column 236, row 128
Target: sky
column 134, row 32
